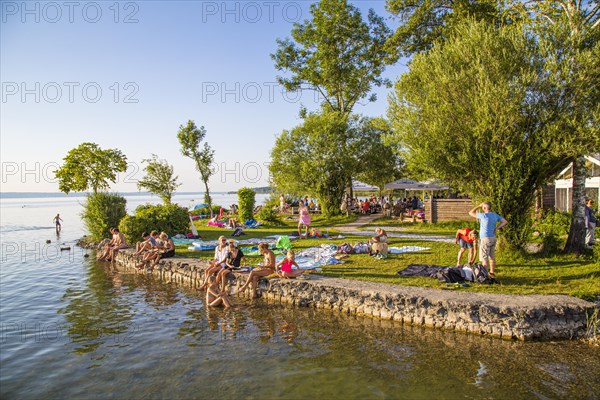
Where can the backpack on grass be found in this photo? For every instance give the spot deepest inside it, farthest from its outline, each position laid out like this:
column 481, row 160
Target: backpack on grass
column 238, row 232
column 481, row 274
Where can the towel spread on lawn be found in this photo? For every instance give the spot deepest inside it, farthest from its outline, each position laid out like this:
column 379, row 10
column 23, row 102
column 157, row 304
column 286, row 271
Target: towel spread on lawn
column 406, row 249
column 314, row 257
column 210, row 245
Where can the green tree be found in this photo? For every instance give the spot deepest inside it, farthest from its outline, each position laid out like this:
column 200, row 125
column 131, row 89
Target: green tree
column 89, row 167
column 190, row 137
column 426, row 22
column 159, row 178
column 568, row 33
column 315, row 157
column 336, row 54
column 473, row 112
column 376, row 162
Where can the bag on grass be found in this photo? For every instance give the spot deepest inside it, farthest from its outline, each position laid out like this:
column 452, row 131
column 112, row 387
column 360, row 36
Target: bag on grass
column 345, row 248
column 361, row 248
column 238, row 232
column 481, row 274
column 450, row 275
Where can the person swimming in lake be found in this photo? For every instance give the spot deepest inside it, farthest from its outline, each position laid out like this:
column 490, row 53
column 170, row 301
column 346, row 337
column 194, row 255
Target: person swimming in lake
column 284, row 267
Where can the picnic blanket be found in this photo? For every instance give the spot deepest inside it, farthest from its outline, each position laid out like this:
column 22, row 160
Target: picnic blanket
column 182, row 241
column 406, row 249
column 317, row 256
column 210, row 245
column 432, row 271
column 426, row 270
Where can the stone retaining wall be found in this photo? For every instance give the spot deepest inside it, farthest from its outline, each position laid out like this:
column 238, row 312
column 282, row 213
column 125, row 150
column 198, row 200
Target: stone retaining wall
column 505, row 316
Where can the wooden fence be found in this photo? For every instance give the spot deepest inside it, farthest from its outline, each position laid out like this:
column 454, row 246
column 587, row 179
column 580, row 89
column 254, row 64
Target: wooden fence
column 439, row 210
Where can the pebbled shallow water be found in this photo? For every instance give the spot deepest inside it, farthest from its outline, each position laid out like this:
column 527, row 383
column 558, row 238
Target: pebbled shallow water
column 74, row 328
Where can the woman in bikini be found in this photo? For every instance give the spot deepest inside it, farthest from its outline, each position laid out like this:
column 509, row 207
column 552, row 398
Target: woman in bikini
column 284, row 267
column 266, row 269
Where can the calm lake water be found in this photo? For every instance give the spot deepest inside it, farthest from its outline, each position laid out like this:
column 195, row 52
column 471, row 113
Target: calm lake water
column 73, row 328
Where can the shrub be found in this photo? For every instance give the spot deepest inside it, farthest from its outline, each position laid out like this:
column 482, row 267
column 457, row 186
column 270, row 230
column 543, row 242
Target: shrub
column 246, row 200
column 171, row 219
column 269, row 215
column 272, row 201
column 101, row 212
column 551, row 227
column 554, row 223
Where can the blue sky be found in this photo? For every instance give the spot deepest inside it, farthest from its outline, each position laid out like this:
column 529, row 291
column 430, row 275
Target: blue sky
column 125, row 75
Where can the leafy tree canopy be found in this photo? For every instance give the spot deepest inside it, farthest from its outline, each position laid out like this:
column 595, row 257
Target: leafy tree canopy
column 474, row 113
column 335, row 53
column 314, row 157
column 376, row 162
column 89, row 167
column 324, row 153
column 159, row 179
column 425, row 22
column 190, row 138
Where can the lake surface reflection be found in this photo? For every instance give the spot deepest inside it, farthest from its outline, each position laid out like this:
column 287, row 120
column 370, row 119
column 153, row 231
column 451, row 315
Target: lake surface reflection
column 129, row 336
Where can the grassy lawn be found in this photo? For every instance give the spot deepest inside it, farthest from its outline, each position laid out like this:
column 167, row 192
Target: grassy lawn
column 442, row 228
column 517, row 273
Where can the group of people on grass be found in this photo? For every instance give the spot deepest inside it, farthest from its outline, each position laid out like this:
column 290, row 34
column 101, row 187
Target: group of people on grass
column 229, row 258
column 302, row 202
column 490, row 223
column 220, row 222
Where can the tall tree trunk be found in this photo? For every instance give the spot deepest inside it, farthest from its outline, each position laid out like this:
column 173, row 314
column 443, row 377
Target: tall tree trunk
column 207, row 198
column 576, row 240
